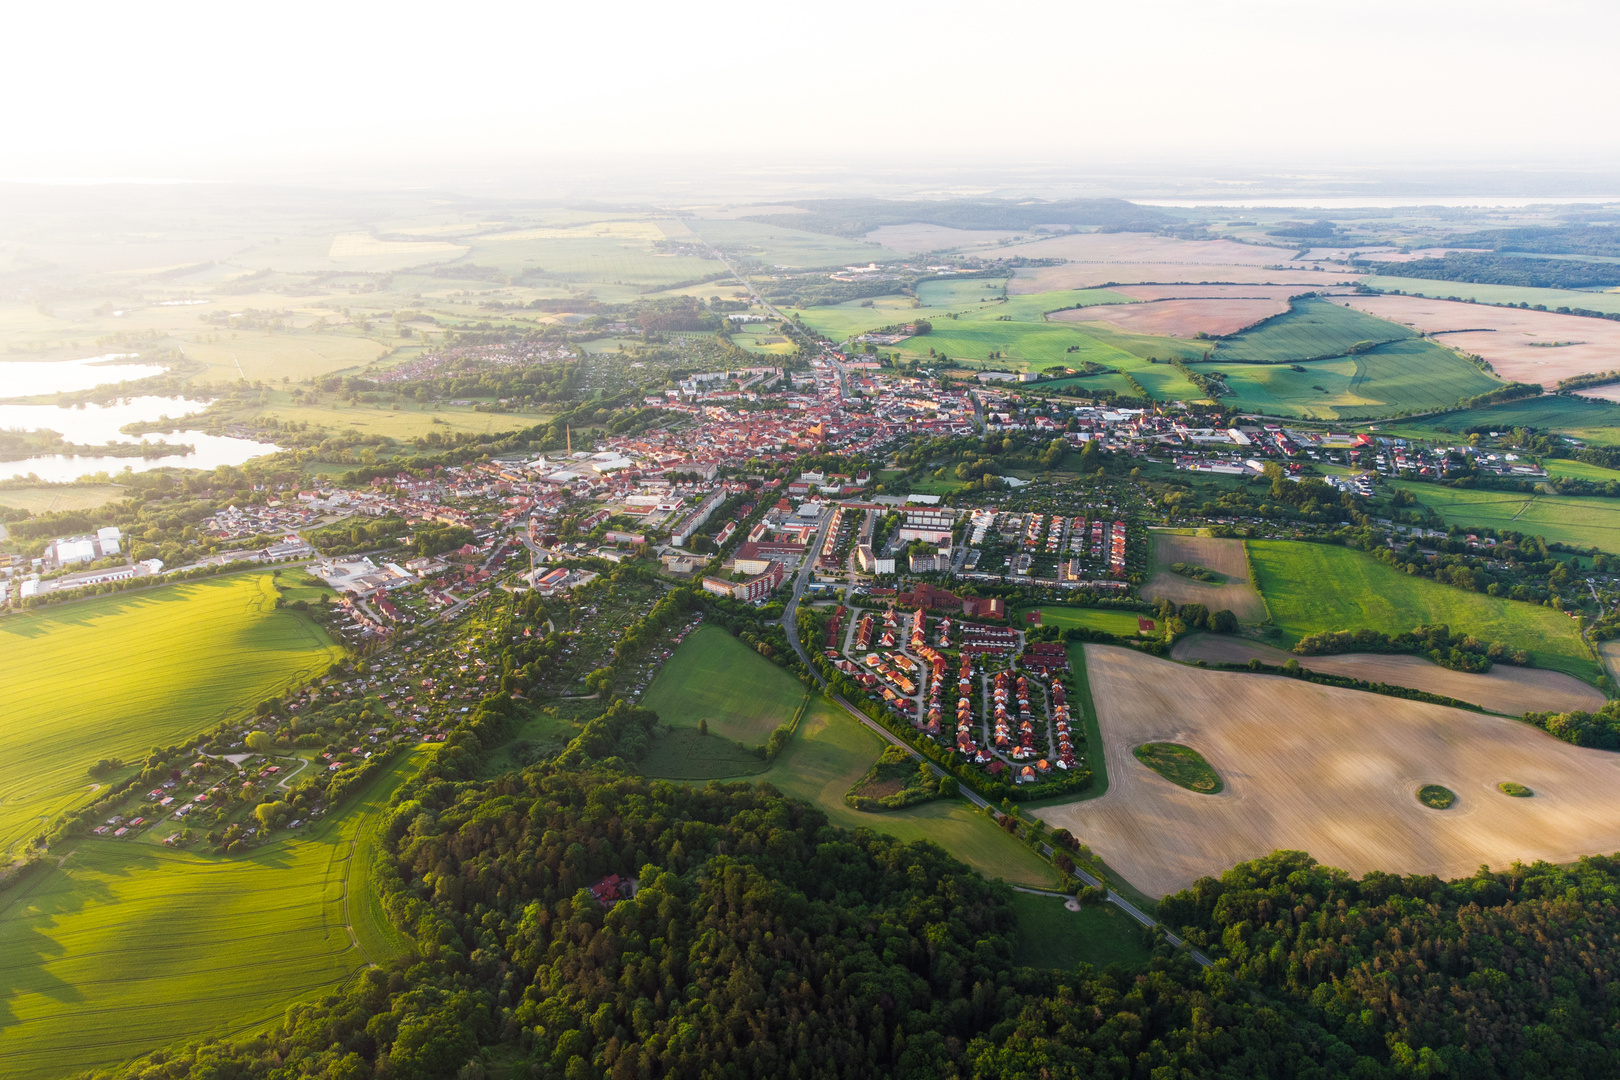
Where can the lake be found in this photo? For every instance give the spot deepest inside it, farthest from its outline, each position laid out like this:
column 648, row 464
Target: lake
column 25, row 378
column 98, row 424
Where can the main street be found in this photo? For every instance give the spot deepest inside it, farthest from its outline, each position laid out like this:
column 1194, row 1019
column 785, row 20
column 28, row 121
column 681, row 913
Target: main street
column 790, row 623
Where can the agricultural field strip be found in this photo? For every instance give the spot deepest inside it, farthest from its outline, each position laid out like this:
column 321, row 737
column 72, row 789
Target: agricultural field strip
column 1342, row 787
column 144, row 645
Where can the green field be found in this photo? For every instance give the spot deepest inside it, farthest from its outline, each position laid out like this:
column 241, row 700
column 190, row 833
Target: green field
column 1570, row 519
column 1408, row 375
column 1051, row 936
column 128, row 947
column 59, row 497
column 1499, row 294
column 832, row 750
column 114, row 676
column 714, row 676
column 1181, row 765
column 1316, row 587
column 1313, row 330
column 1122, row 623
column 1587, row 419
column 1580, row 470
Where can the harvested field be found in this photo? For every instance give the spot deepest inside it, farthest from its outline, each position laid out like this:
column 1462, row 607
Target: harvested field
column 1098, row 258
column 1222, row 556
column 1504, row 689
column 1329, row 771
column 1180, row 318
column 1606, row 392
column 1522, row 346
column 1210, row 292
column 917, row 237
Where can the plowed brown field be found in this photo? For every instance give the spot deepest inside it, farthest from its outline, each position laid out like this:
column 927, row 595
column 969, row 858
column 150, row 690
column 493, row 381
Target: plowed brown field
column 1503, row 689
column 1328, row 771
column 1223, row 556
column 1521, row 345
column 1179, row 318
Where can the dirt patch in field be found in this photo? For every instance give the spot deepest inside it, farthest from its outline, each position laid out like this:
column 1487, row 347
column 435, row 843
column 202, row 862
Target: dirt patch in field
column 1504, row 689
column 1523, row 346
column 1178, row 318
column 1225, row 557
column 1094, row 259
column 917, row 238
column 1329, row 771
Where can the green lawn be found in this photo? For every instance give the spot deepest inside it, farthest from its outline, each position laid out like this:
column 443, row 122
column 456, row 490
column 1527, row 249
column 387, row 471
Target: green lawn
column 129, row 947
column 1315, row 587
column 832, row 750
column 1571, row 519
column 1051, row 936
column 1499, row 294
column 1122, row 623
column 688, row 754
column 714, row 676
column 114, row 676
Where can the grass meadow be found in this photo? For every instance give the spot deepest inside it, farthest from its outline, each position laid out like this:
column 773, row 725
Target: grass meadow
column 116, row 675
column 714, row 676
column 127, row 947
column 1062, row 616
column 1316, row 587
column 1051, row 936
column 258, row 355
column 1569, row 519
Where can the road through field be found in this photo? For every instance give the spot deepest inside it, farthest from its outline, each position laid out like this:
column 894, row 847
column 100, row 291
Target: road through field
column 1329, row 771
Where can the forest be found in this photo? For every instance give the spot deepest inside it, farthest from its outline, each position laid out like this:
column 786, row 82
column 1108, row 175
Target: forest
column 1491, row 269
column 764, row 942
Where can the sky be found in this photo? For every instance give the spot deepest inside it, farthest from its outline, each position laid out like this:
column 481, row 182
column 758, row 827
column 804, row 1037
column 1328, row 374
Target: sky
column 420, row 93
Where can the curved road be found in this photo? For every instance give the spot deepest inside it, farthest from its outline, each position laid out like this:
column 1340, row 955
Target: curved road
column 790, row 623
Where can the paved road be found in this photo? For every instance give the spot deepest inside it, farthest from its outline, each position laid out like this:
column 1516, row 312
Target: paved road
column 791, row 624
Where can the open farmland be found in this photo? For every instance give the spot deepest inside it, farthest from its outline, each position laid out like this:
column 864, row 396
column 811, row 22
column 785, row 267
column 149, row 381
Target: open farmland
column 260, row 356
column 1551, row 299
column 1403, row 376
column 127, row 947
column 715, row 677
column 1504, row 689
column 113, row 676
column 775, row 245
column 1093, row 259
column 1568, row 519
column 917, row 237
column 1312, row 330
column 1341, row 784
column 1522, row 346
column 1315, row 587
column 1181, row 318
column 48, row 498
column 1225, row 557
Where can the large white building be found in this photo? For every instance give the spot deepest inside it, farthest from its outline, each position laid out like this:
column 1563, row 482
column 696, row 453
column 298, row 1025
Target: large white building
column 68, row 550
